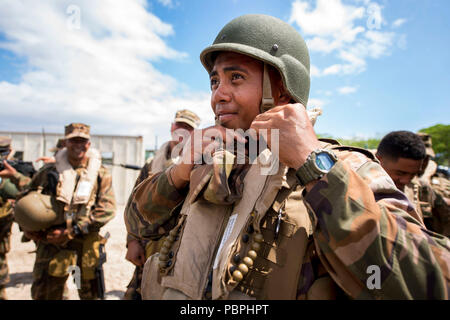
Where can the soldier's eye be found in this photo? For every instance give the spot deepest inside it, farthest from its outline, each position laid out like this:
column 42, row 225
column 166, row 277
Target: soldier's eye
column 213, row 82
column 236, row 76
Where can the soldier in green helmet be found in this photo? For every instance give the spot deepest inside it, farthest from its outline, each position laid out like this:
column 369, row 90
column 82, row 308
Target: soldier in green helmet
column 310, row 227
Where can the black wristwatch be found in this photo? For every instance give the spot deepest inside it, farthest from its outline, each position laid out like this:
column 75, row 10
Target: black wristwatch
column 318, row 163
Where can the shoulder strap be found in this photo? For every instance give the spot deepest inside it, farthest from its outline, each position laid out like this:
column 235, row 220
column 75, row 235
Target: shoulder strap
column 366, row 152
column 330, row 141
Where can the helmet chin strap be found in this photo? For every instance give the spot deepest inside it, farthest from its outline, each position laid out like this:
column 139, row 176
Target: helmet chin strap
column 267, row 99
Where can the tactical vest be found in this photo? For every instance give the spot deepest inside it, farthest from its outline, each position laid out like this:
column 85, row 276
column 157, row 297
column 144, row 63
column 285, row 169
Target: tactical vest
column 255, row 246
column 162, row 159
column 77, row 188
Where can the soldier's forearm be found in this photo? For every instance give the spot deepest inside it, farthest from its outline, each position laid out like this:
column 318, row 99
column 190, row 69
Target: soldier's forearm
column 155, row 198
column 355, row 231
column 20, row 181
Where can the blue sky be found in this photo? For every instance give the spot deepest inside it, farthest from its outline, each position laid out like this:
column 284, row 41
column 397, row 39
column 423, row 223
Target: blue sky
column 378, row 65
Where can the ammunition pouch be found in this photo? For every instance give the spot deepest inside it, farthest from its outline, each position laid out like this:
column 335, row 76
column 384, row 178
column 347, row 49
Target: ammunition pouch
column 153, row 246
column 90, row 255
column 151, row 288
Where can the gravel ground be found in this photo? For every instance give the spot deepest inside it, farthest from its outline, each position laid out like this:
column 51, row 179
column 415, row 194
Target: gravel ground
column 117, row 270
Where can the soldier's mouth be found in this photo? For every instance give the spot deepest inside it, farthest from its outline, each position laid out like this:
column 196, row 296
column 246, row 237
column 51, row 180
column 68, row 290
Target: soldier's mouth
column 225, row 117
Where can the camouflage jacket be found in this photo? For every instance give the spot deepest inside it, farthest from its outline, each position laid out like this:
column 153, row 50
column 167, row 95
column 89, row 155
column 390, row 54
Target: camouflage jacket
column 137, row 227
column 101, row 212
column 20, row 181
column 431, row 204
column 362, row 222
column 8, row 192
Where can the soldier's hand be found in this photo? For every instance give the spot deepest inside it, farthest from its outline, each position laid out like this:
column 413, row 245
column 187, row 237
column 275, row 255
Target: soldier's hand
column 200, row 146
column 46, row 159
column 297, row 138
column 58, row 236
column 8, row 172
column 135, row 253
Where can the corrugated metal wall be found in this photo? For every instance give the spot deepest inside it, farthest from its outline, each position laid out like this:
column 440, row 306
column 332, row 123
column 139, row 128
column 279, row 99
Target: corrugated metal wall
column 123, row 149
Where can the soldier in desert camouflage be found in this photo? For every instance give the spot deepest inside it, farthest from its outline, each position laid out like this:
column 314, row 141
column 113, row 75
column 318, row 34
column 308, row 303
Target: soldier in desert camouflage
column 8, row 193
column 141, row 242
column 80, row 191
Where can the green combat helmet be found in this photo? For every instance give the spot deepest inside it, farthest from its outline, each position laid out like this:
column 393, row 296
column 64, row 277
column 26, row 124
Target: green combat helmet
column 36, row 212
column 272, row 41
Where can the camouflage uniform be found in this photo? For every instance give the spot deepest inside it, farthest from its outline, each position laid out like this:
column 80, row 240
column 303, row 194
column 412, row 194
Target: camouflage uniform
column 7, row 192
column 429, row 193
column 50, row 270
column 359, row 219
column 137, row 227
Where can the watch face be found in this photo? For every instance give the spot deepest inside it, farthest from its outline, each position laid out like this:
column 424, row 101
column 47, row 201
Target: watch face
column 324, row 161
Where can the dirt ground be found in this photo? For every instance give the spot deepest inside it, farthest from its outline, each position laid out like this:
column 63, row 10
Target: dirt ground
column 117, row 270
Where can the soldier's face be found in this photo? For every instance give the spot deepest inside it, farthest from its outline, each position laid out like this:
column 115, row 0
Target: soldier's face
column 236, row 85
column 402, row 170
column 77, row 148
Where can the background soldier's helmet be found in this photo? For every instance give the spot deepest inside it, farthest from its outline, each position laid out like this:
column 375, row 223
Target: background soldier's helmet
column 271, row 40
column 37, row 211
column 426, row 138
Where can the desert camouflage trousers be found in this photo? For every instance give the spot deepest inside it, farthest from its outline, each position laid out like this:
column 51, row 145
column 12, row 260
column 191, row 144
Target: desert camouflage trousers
column 52, row 265
column 5, row 234
column 134, row 287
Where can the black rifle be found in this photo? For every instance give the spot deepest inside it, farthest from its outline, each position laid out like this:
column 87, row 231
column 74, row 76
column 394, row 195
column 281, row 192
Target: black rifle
column 99, row 275
column 23, row 167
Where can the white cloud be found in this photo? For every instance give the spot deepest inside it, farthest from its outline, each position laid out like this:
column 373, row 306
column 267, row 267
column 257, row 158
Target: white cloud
column 346, row 90
column 101, row 74
column 314, row 71
column 167, row 3
column 399, row 22
column 353, row 33
column 329, row 17
column 314, row 103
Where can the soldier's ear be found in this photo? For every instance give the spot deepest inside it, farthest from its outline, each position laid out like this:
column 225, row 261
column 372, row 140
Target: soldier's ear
column 284, row 96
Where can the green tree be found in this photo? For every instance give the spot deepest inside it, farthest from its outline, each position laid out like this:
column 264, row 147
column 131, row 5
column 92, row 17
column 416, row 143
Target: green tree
column 440, row 136
column 371, row 143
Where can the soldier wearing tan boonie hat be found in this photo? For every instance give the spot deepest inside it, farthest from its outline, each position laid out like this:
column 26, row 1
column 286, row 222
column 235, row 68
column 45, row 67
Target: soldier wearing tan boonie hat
column 139, row 246
column 74, row 130
column 5, row 142
column 6, row 152
column 188, row 117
